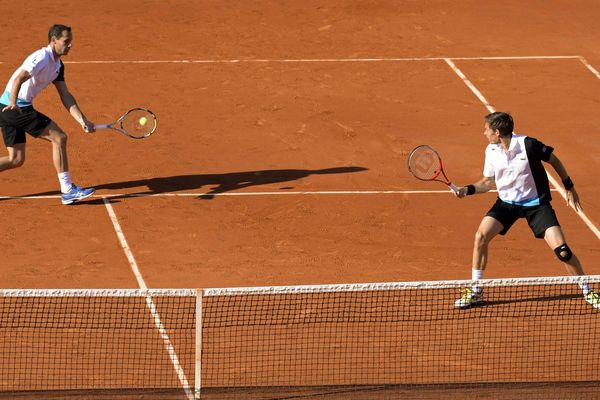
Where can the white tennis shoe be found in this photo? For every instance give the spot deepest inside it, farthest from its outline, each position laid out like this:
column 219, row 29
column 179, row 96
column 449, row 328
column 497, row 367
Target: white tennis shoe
column 469, row 298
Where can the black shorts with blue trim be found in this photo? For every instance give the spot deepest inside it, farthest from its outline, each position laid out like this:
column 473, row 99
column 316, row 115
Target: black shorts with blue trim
column 15, row 123
column 539, row 217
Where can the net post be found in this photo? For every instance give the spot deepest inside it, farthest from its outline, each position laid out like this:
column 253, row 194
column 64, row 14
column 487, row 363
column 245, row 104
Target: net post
column 198, row 352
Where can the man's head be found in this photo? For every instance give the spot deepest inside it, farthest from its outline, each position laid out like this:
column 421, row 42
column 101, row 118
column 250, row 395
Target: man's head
column 501, row 122
column 59, row 38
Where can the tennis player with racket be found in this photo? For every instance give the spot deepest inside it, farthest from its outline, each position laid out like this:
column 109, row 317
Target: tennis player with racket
column 17, row 114
column 513, row 163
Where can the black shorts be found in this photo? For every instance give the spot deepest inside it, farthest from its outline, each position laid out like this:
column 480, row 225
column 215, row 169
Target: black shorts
column 14, row 124
column 539, row 217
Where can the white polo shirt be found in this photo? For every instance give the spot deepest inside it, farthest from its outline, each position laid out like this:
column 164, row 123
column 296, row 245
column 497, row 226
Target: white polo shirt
column 519, row 174
column 43, row 68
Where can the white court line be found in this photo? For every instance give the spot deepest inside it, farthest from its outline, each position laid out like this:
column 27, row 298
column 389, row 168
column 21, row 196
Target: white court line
column 241, row 194
column 590, row 67
column 142, row 284
column 553, row 181
column 469, row 85
column 235, row 194
column 317, row 60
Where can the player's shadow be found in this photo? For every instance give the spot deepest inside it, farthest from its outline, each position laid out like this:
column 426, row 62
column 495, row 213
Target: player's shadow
column 215, row 183
column 222, row 183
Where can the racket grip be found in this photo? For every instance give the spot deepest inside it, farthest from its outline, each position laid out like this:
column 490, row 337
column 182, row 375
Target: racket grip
column 102, row 126
column 453, row 187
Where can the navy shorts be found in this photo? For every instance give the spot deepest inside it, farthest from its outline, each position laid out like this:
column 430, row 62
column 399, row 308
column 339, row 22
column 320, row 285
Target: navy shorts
column 539, row 217
column 14, row 124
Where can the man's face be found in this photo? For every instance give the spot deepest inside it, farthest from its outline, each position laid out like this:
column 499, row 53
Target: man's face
column 493, row 136
column 62, row 45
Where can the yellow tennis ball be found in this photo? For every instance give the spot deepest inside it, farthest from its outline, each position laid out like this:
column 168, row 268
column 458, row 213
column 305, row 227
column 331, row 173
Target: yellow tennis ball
column 143, row 121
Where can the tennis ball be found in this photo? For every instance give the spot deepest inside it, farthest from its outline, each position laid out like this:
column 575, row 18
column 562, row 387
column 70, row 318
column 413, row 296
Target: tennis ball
column 143, row 121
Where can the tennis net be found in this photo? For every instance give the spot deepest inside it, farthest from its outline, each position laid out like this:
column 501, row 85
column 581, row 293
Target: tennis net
column 408, row 335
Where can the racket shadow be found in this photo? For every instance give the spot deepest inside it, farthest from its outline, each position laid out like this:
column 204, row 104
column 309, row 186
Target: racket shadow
column 216, row 183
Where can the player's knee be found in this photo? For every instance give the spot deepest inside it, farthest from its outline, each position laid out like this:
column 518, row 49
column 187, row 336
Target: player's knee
column 61, row 138
column 57, row 136
column 563, row 252
column 481, row 239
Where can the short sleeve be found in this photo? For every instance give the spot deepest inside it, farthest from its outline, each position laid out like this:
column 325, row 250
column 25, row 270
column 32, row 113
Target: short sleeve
column 34, row 63
column 488, row 167
column 537, row 149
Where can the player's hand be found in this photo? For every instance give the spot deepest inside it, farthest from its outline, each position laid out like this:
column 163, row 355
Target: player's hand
column 573, row 199
column 88, row 126
column 462, row 192
column 11, row 107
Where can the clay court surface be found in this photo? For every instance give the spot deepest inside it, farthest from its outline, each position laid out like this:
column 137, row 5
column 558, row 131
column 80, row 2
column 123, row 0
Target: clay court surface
column 280, row 156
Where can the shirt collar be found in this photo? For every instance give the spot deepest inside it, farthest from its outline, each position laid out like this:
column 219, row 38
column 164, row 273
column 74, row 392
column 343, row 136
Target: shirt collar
column 514, row 143
column 49, row 51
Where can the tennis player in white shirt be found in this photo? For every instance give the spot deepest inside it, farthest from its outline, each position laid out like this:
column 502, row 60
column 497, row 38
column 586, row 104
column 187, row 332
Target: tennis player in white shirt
column 513, row 163
column 18, row 115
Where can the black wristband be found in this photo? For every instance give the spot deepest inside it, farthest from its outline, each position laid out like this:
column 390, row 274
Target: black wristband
column 470, row 190
column 568, row 183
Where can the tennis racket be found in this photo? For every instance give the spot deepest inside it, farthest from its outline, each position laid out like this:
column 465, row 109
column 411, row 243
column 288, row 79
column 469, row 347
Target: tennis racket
column 425, row 164
column 137, row 123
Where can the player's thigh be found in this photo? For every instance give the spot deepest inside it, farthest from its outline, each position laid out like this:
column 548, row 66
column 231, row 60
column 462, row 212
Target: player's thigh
column 554, row 237
column 502, row 215
column 543, row 222
column 489, row 228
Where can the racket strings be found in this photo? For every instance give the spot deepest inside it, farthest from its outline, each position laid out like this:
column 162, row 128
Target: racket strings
column 424, row 163
column 138, row 123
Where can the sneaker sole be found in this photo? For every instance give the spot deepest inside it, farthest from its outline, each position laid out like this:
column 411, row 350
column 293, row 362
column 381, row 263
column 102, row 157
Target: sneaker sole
column 470, row 305
column 596, row 306
column 67, row 202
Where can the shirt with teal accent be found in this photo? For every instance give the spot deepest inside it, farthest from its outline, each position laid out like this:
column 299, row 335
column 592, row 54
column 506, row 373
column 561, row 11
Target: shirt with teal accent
column 43, row 68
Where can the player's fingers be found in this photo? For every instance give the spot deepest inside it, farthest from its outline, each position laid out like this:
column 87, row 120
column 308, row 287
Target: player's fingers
column 89, row 127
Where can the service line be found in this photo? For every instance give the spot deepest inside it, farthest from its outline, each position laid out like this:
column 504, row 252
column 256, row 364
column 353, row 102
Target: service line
column 318, row 60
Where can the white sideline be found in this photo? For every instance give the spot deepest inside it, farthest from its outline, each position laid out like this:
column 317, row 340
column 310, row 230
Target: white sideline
column 589, row 66
column 151, row 306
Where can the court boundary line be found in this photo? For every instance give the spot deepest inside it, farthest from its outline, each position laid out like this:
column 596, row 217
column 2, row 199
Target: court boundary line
column 298, row 60
column 552, row 180
column 589, row 66
column 320, row 60
column 149, row 302
column 582, row 59
column 239, row 194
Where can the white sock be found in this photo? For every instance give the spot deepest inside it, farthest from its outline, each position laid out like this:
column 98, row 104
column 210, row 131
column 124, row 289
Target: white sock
column 65, row 181
column 585, row 287
column 477, row 274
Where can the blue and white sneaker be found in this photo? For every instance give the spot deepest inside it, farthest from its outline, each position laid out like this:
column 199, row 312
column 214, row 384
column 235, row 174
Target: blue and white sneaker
column 75, row 194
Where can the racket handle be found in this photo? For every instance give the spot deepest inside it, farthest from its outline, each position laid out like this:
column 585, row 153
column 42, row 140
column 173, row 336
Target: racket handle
column 102, row 126
column 453, row 187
